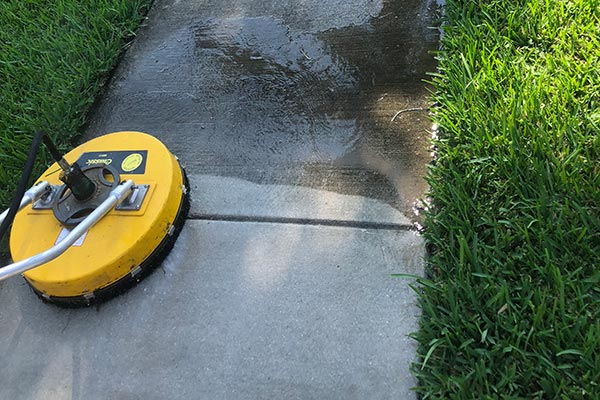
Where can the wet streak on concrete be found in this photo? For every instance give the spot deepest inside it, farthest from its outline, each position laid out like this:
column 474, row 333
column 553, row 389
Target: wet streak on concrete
column 285, row 92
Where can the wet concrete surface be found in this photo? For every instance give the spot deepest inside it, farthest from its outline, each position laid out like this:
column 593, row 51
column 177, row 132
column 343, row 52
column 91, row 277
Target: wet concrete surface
column 285, row 92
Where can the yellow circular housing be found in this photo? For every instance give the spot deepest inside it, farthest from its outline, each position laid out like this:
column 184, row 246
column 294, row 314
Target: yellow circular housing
column 124, row 245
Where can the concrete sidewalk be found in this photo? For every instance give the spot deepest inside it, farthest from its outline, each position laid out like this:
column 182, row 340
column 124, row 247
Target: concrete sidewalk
column 238, row 311
column 280, row 285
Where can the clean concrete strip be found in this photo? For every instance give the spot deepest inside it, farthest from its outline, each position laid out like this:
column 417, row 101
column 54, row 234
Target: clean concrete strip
column 238, row 311
column 233, row 199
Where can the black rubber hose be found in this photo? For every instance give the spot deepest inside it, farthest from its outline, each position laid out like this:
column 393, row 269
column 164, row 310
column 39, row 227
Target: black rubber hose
column 23, row 182
column 52, row 148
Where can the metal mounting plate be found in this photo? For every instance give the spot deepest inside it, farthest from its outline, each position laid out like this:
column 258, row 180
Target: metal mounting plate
column 131, row 203
column 47, row 200
column 135, row 199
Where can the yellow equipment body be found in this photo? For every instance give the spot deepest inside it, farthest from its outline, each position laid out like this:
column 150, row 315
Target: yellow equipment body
column 123, row 246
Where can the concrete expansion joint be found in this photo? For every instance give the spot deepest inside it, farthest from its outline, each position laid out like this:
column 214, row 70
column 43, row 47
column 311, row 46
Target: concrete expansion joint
column 304, row 221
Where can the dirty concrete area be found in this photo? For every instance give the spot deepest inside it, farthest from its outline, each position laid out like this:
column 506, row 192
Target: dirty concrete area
column 288, row 93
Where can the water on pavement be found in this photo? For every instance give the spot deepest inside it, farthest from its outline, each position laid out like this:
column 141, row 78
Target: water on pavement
column 294, row 93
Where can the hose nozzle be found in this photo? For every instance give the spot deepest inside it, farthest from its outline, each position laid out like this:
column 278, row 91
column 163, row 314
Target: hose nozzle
column 81, row 186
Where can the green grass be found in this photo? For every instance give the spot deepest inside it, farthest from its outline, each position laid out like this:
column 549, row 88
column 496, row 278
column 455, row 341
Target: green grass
column 511, row 308
column 54, row 58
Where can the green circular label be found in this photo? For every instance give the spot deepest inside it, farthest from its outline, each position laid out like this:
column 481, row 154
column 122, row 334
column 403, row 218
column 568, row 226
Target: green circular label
column 131, row 162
